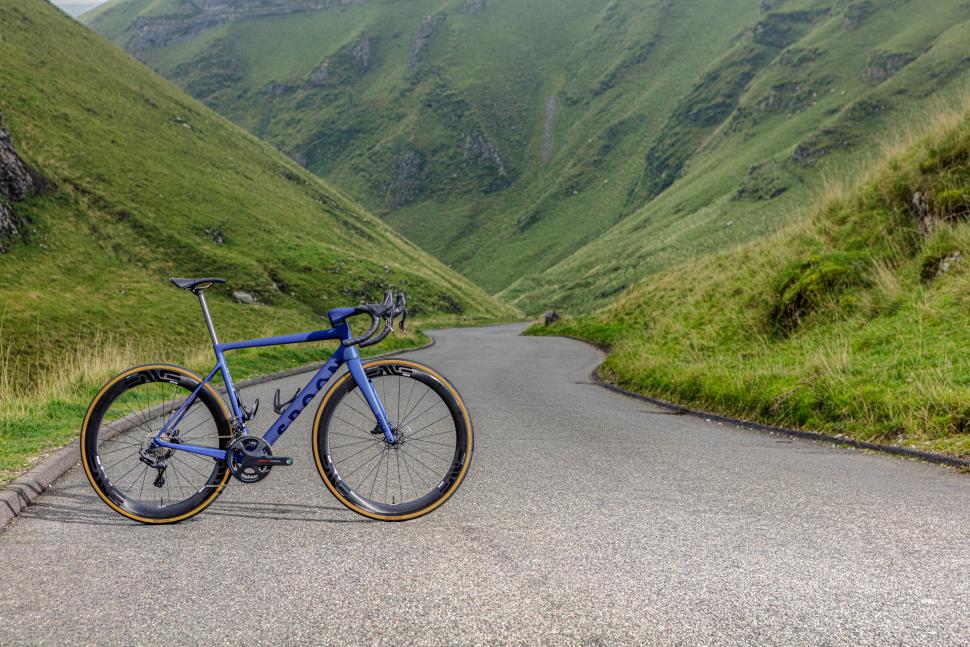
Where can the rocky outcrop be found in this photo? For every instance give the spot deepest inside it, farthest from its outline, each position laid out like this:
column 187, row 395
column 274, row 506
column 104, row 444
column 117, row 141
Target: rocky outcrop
column 474, row 6
column 349, row 62
column 923, row 214
column 779, row 30
column 425, row 36
column 406, row 183
column 320, row 77
column 16, row 183
column 764, row 182
column 478, row 148
column 884, row 65
column 546, row 150
column 822, row 143
column 361, row 51
column 149, row 32
column 856, row 13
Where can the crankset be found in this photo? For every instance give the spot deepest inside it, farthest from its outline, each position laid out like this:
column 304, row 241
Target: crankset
column 250, row 459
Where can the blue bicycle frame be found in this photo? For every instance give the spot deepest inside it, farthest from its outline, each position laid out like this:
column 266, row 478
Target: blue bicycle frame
column 343, row 355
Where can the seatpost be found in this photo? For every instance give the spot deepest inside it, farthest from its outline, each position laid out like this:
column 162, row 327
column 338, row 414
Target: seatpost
column 208, row 318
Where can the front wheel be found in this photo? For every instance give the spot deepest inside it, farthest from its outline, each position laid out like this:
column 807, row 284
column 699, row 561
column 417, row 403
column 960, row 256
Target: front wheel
column 411, row 477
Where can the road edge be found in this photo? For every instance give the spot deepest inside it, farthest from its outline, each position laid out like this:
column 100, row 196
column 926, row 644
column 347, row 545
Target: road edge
column 16, row 496
column 815, row 436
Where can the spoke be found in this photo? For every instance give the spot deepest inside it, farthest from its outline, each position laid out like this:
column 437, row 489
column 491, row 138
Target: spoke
column 189, row 465
column 124, row 439
column 430, row 469
column 357, row 453
column 178, row 481
column 122, row 460
column 387, row 469
column 418, row 417
column 146, row 409
column 400, row 487
column 134, row 480
column 366, row 431
column 118, row 449
column 337, row 433
column 205, row 419
column 351, row 407
column 430, row 453
column 376, row 470
column 141, row 420
column 359, row 442
column 416, row 405
column 127, row 443
column 410, row 477
column 142, row 490
column 137, row 463
column 431, row 442
column 440, row 433
column 362, row 464
column 414, row 432
column 410, row 393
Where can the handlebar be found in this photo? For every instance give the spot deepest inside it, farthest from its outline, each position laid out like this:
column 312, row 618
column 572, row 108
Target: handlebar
column 388, row 311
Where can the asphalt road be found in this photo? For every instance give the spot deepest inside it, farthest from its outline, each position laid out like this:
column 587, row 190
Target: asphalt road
column 587, row 518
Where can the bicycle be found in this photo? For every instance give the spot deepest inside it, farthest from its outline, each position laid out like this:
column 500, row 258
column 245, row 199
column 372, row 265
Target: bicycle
column 159, row 443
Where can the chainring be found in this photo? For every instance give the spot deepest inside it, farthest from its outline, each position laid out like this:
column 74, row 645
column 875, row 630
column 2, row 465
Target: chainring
column 251, row 447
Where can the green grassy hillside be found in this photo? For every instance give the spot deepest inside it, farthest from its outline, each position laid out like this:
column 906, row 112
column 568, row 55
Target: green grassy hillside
column 853, row 321
column 142, row 183
column 560, row 151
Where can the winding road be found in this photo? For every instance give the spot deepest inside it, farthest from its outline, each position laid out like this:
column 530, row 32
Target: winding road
column 587, row 518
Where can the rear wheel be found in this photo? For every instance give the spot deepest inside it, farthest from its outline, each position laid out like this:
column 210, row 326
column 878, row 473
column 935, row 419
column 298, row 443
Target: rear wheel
column 136, row 479
column 411, row 477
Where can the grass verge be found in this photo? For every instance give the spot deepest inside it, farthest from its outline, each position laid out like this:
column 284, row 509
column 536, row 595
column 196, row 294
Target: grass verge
column 853, row 321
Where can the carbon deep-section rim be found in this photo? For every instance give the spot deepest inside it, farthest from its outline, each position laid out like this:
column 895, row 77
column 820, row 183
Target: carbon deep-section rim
column 402, row 481
column 125, row 414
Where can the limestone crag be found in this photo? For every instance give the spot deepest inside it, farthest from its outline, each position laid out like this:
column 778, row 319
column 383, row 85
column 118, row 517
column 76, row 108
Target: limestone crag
column 884, row 65
column 424, row 36
column 16, row 183
column 352, row 60
column 406, row 183
column 361, row 51
column 546, row 150
column 477, row 147
column 474, row 6
column 148, row 32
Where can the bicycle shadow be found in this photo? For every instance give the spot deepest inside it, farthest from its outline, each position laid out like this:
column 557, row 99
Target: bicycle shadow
column 76, row 506
column 284, row 512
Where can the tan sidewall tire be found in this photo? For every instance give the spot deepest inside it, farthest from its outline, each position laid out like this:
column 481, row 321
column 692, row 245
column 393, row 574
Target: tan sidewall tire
column 315, row 441
column 85, row 462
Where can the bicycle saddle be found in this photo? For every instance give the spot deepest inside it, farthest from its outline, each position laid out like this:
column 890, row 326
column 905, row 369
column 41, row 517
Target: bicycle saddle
column 193, row 284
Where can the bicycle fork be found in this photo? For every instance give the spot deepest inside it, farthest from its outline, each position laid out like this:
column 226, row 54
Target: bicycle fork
column 367, row 389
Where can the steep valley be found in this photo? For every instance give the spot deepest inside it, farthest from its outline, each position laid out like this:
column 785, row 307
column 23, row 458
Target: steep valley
column 559, row 152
